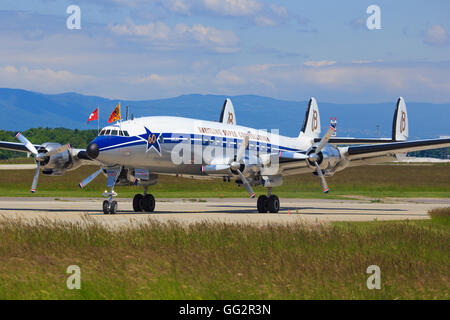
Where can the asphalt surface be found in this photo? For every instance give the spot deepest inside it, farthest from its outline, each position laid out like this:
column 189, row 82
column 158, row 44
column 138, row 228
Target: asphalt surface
column 221, row 210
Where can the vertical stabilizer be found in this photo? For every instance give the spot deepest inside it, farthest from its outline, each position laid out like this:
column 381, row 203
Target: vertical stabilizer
column 400, row 123
column 227, row 116
column 311, row 122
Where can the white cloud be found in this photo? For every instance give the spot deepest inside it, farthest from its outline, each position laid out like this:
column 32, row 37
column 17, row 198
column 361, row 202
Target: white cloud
column 222, row 41
column 46, row 80
column 279, row 10
column 436, row 35
column 319, row 63
column 350, row 82
column 233, row 7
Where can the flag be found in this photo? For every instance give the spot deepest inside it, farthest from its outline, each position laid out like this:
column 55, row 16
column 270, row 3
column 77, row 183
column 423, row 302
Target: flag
column 93, row 115
column 115, row 115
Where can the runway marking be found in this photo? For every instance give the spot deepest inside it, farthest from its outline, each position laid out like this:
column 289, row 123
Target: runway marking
column 220, row 210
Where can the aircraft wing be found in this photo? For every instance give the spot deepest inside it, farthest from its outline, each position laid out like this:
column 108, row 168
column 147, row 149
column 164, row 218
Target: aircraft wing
column 386, row 149
column 14, row 146
column 296, row 162
column 350, row 141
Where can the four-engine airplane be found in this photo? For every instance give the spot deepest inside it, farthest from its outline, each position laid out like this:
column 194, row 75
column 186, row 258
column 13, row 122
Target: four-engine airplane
column 135, row 152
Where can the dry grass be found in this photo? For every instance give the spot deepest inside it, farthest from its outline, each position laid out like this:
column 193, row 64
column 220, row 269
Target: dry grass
column 223, row 261
column 440, row 212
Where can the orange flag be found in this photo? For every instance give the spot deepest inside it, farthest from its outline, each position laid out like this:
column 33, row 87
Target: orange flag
column 115, row 115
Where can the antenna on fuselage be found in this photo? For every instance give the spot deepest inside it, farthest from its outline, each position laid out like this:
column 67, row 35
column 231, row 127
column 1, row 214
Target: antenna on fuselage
column 126, row 116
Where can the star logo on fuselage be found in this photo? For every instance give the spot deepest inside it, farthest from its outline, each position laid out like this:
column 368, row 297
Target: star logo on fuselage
column 152, row 140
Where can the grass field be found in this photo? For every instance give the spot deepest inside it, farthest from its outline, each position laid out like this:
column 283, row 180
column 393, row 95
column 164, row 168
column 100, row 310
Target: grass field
column 223, row 261
column 372, row 181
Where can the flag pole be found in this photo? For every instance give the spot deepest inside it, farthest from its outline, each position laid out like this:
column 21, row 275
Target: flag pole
column 98, row 120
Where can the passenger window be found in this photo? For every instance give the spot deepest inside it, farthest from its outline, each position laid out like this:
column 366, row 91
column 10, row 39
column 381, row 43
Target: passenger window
column 161, row 139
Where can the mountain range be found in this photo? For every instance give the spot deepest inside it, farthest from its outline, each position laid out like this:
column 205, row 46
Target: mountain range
column 22, row 109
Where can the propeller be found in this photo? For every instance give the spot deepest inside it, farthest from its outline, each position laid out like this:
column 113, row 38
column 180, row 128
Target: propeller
column 314, row 157
column 83, row 183
column 236, row 166
column 39, row 156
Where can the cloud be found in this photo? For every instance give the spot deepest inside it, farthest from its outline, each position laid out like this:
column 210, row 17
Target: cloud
column 46, row 80
column 233, row 7
column 319, row 63
column 352, row 82
column 181, row 35
column 436, row 36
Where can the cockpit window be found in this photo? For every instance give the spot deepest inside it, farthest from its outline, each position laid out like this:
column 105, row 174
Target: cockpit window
column 102, row 133
column 120, row 133
column 125, row 133
column 114, row 133
column 107, row 132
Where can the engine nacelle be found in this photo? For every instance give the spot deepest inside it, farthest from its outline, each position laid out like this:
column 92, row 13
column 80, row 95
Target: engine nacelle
column 56, row 164
column 329, row 158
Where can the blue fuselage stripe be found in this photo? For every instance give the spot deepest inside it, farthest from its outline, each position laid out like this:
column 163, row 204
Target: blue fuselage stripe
column 106, row 143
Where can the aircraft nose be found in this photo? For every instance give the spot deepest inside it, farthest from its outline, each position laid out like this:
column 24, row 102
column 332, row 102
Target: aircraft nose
column 92, row 150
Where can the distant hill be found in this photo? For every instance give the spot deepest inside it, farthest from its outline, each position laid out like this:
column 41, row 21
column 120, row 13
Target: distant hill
column 23, row 109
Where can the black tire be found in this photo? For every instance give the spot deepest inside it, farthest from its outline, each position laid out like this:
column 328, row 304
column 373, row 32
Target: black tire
column 106, row 207
column 149, row 203
column 138, row 205
column 273, row 205
column 262, row 204
column 113, row 207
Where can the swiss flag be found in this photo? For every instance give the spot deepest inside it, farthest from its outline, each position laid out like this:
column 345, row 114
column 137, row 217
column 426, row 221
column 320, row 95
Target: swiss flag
column 93, row 116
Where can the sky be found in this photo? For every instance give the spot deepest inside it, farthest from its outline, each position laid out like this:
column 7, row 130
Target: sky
column 291, row 50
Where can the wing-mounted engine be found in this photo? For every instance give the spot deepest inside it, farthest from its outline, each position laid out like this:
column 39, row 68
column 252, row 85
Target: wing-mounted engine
column 327, row 159
column 55, row 158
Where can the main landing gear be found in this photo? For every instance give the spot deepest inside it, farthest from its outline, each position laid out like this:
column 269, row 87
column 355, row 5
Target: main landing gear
column 144, row 202
column 269, row 203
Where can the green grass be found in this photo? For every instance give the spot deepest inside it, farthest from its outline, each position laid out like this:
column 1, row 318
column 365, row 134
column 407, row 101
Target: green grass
column 225, row 261
column 372, row 181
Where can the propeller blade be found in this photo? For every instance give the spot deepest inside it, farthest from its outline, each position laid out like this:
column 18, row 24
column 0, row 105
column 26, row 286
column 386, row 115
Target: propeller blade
column 241, row 152
column 27, row 143
column 36, row 178
column 246, row 184
column 59, row 150
column 325, row 139
column 323, row 182
column 83, row 183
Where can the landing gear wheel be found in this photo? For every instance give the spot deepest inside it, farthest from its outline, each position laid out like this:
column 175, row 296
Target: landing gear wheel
column 138, row 203
column 262, row 204
column 149, row 203
column 273, row 204
column 106, row 207
column 113, row 207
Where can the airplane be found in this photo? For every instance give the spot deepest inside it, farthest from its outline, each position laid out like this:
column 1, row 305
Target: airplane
column 137, row 151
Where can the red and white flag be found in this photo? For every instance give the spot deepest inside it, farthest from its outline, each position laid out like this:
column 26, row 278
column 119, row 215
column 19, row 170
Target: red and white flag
column 93, row 116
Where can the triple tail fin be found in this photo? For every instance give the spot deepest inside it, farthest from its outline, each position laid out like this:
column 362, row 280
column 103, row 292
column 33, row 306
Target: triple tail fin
column 311, row 122
column 228, row 116
column 400, row 123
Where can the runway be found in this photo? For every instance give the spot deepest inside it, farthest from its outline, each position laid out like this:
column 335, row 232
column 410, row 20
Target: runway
column 221, row 210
